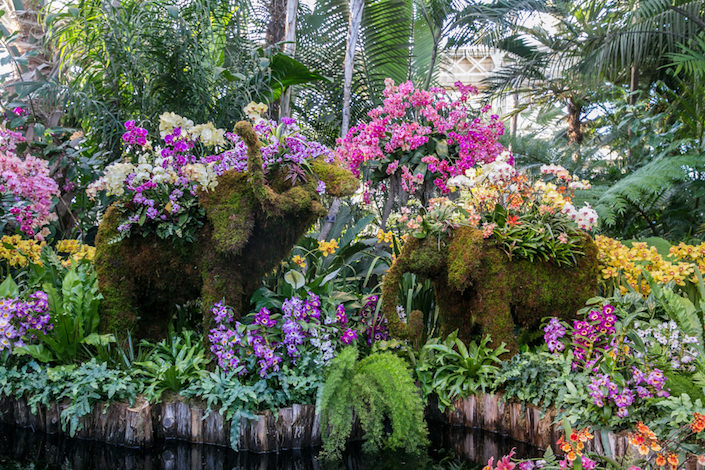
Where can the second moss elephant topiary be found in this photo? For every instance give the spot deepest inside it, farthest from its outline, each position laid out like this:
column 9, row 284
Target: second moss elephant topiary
column 479, row 290
column 251, row 224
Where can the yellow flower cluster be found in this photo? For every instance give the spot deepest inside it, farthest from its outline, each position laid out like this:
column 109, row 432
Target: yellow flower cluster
column 616, row 260
column 328, row 248
column 18, row 252
column 300, row 261
column 385, row 237
column 75, row 251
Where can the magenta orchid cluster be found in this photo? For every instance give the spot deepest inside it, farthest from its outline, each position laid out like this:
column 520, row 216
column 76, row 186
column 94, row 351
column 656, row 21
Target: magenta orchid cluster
column 134, row 136
column 27, row 189
column 265, row 340
column 407, row 121
column 617, row 378
column 375, row 323
column 589, row 337
column 20, row 319
column 158, row 186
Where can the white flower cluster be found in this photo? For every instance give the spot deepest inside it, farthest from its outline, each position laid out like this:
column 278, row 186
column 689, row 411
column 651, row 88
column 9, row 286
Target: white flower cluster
column 204, row 175
column 113, row 181
column 207, row 133
column 556, row 170
column 574, row 183
column 679, row 349
column 585, row 217
column 499, row 170
column 402, row 313
column 170, row 121
column 495, row 172
column 254, row 110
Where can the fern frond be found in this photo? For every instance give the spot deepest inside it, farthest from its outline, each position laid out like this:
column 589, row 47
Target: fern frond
column 647, row 183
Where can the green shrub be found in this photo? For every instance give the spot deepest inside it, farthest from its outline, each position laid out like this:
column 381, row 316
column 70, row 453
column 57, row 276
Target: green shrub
column 74, row 312
column 172, row 364
column 379, row 390
column 536, row 377
column 452, row 370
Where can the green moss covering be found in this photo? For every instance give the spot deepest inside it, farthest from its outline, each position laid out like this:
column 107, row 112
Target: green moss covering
column 141, row 280
column 251, row 225
column 337, row 179
column 480, row 291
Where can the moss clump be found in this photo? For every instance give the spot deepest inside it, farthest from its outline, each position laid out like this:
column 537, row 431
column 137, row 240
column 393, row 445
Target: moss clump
column 480, row 291
column 141, row 279
column 251, row 225
column 337, row 179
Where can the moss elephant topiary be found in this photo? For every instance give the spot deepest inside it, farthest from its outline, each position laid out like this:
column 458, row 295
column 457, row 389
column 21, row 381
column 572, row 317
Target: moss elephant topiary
column 251, row 225
column 479, row 290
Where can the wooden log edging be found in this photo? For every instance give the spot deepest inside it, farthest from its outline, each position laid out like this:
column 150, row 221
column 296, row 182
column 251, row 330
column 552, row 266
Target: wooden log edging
column 530, row 424
column 138, row 426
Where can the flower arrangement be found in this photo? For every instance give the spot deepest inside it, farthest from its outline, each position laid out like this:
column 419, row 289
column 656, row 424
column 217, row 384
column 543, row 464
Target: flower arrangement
column 20, row 320
column 27, row 189
column 666, row 343
column 527, row 219
column 600, row 347
column 622, row 265
column 420, row 137
column 264, row 339
column 157, row 186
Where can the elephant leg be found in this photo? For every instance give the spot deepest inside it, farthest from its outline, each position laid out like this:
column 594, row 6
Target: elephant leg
column 119, row 308
column 497, row 322
column 222, row 281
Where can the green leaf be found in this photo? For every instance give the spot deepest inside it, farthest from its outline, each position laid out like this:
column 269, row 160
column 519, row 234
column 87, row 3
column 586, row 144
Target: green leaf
column 8, row 288
column 37, row 351
column 295, row 279
column 94, row 339
column 287, row 71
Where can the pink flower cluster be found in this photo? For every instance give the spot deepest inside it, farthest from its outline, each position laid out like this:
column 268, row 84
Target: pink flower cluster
column 26, row 187
column 134, row 135
column 406, row 122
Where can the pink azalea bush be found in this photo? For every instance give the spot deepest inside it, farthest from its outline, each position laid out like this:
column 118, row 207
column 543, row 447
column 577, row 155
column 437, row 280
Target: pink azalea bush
column 421, row 136
column 26, row 187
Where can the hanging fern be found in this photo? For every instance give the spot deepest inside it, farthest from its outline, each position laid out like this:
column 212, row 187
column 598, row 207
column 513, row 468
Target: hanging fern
column 378, row 390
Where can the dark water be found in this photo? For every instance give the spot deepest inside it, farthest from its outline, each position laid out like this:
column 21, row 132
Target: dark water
column 451, row 449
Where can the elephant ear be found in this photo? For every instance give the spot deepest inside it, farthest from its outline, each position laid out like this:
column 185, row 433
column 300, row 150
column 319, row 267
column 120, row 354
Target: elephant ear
column 464, row 257
column 230, row 209
column 339, row 181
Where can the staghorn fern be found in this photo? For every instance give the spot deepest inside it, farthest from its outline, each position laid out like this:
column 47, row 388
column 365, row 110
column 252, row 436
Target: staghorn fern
column 378, row 389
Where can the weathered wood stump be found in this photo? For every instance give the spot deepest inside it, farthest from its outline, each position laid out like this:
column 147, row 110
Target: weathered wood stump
column 295, row 427
column 529, row 424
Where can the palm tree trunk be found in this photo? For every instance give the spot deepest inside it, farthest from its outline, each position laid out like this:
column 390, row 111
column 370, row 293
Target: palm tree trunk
column 633, row 84
column 356, row 7
column 575, row 127
column 274, row 35
column 277, row 22
column 431, row 64
column 292, row 7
